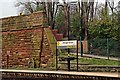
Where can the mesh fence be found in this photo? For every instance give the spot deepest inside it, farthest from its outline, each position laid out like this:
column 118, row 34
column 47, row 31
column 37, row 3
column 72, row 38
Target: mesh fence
column 105, row 47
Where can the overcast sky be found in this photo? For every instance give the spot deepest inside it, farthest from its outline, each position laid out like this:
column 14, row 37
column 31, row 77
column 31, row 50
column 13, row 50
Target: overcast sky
column 8, row 9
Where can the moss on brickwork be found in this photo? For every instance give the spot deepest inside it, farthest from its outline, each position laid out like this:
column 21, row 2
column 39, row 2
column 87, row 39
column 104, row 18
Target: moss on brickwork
column 52, row 43
column 10, row 39
column 51, row 39
column 36, row 41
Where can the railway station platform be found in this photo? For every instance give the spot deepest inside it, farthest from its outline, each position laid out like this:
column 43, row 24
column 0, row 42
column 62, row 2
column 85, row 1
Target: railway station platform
column 9, row 74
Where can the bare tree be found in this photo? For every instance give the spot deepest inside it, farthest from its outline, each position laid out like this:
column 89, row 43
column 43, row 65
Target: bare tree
column 111, row 5
column 106, row 7
column 91, row 10
column 84, row 31
column 65, row 5
column 48, row 6
column 28, row 7
column 96, row 7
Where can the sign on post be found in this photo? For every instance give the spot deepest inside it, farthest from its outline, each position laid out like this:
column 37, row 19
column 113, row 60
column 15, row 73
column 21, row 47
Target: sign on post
column 66, row 44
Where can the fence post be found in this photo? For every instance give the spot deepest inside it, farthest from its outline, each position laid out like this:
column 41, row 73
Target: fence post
column 81, row 47
column 108, row 48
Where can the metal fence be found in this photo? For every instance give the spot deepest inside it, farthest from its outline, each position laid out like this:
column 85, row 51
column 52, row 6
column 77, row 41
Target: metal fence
column 104, row 47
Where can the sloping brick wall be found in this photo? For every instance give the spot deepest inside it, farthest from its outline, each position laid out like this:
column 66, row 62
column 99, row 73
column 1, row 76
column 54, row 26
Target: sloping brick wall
column 21, row 47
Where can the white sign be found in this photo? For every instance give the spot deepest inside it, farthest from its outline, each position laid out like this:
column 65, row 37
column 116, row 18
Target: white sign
column 67, row 44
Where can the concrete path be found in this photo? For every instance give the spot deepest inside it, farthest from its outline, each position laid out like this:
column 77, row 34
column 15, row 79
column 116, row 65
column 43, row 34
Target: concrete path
column 100, row 57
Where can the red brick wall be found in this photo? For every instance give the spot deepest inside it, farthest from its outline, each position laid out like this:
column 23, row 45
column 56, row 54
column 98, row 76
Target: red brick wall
column 24, row 21
column 24, row 45
column 21, row 41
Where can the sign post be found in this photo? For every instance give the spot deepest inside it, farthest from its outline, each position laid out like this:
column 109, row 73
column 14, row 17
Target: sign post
column 56, row 58
column 77, row 55
column 67, row 45
column 81, row 47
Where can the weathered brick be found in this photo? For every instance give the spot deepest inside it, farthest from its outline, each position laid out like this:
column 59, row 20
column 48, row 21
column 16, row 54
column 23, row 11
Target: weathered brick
column 22, row 36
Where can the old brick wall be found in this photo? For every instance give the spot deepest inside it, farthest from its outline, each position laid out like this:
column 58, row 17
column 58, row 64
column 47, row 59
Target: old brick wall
column 24, row 21
column 21, row 43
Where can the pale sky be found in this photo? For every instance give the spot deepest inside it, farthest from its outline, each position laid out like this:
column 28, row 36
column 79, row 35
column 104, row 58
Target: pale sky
column 8, row 9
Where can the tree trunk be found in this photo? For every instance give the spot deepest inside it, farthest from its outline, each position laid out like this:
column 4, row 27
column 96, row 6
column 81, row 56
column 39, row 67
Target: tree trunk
column 84, row 32
column 79, row 6
column 52, row 15
column 106, row 7
column 96, row 8
column 111, row 7
column 91, row 10
column 65, row 19
column 45, row 9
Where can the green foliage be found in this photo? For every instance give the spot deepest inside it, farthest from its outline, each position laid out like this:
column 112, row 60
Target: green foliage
column 116, row 20
column 39, row 8
column 102, row 29
column 75, row 25
column 59, row 19
column 105, row 26
column 99, row 47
